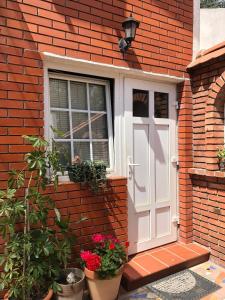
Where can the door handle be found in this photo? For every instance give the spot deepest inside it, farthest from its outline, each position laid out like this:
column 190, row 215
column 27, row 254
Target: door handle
column 132, row 164
column 174, row 159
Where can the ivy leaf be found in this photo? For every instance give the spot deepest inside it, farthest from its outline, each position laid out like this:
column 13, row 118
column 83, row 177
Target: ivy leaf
column 36, row 142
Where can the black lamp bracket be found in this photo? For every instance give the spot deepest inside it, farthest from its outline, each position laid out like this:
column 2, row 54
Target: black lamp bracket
column 124, row 44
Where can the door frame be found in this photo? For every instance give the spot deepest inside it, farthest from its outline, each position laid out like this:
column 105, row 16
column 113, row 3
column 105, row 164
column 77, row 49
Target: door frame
column 171, row 89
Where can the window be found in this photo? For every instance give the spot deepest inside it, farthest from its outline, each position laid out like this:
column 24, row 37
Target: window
column 140, row 103
column 161, row 103
column 81, row 118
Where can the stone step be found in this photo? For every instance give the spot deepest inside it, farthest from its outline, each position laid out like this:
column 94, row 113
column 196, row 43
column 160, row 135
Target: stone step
column 156, row 263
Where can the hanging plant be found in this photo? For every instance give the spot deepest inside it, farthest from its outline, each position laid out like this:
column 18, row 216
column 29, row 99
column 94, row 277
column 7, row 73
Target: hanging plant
column 221, row 159
column 89, row 172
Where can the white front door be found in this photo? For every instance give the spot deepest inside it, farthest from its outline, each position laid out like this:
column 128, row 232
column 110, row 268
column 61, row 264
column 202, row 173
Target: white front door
column 150, row 131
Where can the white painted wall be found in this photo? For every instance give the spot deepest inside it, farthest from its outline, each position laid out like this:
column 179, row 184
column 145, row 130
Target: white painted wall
column 196, row 27
column 212, row 27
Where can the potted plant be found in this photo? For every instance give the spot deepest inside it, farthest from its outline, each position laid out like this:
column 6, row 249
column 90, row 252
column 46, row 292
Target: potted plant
column 103, row 266
column 88, row 172
column 71, row 282
column 221, row 158
column 34, row 253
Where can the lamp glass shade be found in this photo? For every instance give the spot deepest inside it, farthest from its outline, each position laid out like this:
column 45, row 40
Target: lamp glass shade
column 130, row 25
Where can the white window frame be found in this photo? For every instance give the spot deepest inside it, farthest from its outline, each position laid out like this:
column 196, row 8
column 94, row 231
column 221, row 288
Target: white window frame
column 108, row 112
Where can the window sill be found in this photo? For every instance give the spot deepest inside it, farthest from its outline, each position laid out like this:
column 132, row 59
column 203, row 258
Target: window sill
column 203, row 172
column 65, row 179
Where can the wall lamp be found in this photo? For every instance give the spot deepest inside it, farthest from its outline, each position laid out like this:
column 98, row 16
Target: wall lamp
column 129, row 25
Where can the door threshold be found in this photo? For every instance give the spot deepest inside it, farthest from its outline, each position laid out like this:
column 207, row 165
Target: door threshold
column 151, row 265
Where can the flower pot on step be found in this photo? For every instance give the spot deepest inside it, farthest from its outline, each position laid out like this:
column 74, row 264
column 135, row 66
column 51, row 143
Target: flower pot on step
column 103, row 289
column 47, row 297
column 72, row 291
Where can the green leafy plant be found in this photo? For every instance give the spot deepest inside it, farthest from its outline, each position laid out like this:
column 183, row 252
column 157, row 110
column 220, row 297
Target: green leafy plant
column 221, row 154
column 34, row 253
column 106, row 258
column 89, row 172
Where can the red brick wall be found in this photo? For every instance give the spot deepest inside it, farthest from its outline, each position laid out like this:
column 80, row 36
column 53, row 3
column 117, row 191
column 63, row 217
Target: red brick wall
column 105, row 213
column 208, row 114
column 90, row 30
column 208, row 87
column 209, row 224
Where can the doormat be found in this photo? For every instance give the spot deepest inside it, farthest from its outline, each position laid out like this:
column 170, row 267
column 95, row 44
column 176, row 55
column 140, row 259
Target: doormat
column 184, row 285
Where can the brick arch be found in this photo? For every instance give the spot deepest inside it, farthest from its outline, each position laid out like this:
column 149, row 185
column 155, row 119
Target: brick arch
column 214, row 121
column 215, row 88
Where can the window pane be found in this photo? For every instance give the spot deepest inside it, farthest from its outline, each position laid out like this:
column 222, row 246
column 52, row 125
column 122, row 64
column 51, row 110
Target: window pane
column 80, row 125
column 78, row 95
column 101, row 151
column 60, row 121
column 99, row 126
column 82, row 149
column 140, row 103
column 58, row 93
column 161, row 105
column 97, row 97
column 65, row 152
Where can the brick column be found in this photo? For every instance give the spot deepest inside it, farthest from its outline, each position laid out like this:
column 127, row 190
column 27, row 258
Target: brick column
column 185, row 161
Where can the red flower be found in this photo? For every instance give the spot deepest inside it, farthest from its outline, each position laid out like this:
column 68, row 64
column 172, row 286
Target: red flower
column 93, row 262
column 112, row 238
column 85, row 255
column 98, row 238
column 127, row 244
column 111, row 246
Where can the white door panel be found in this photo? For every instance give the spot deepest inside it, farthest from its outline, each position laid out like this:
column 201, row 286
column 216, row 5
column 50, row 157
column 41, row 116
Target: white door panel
column 141, row 173
column 150, row 130
column 162, row 153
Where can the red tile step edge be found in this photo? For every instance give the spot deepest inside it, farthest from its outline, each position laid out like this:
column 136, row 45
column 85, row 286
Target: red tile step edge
column 159, row 262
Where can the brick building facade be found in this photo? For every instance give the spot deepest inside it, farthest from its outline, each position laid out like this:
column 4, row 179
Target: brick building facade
column 88, row 32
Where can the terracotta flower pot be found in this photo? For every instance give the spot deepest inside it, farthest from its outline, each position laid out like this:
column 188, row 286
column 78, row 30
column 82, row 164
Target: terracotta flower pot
column 73, row 291
column 103, row 289
column 47, row 297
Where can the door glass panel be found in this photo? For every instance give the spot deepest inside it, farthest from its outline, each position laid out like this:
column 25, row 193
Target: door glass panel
column 161, row 105
column 99, row 126
column 97, row 97
column 60, row 121
column 82, row 149
column 101, row 151
column 80, row 125
column 78, row 92
column 140, row 103
column 58, row 93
